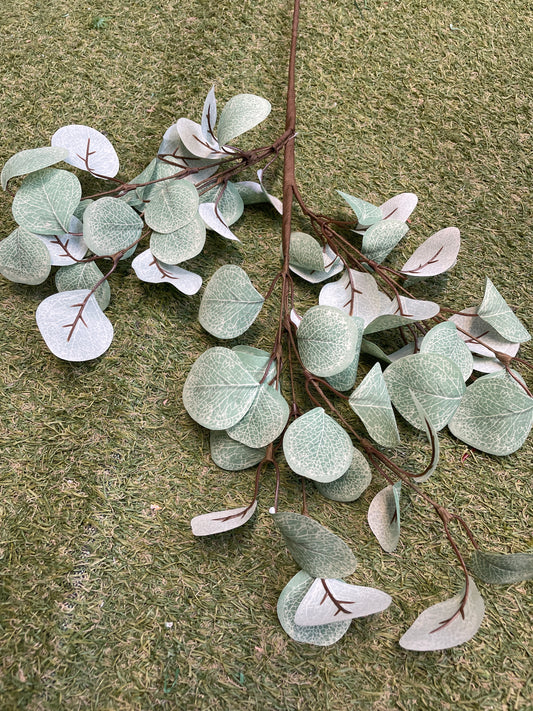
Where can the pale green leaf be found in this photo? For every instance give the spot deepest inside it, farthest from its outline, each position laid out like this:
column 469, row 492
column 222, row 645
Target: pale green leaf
column 68, row 247
column 110, row 226
column 356, row 293
column 345, row 380
column 429, row 633
column 351, row 484
column 219, row 390
column 256, row 360
column 24, row 259
column 317, row 447
column 240, row 114
column 366, row 213
column 371, row 403
column 30, row 161
column 46, row 201
column 436, row 255
column 173, row 205
column 195, row 140
column 230, row 303
column 180, row 245
column 88, row 149
column 327, row 340
column 305, row 252
column 229, row 454
column 400, row 312
column 264, row 421
column 209, row 115
column 332, row 266
column 433, row 439
column 84, row 276
column 501, row 568
column 399, row 207
column 82, row 206
column 373, row 349
column 495, row 415
column 348, row 603
column 436, row 381
column 494, row 310
column 149, row 269
column 381, row 238
column 444, row 339
column 229, row 203
column 472, row 329
column 384, row 517
column 213, row 221
column 251, row 193
column 222, row 521
column 73, row 326
column 316, row 549
column 289, row 601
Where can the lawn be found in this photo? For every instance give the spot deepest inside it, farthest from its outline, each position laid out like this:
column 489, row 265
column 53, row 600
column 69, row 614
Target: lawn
column 107, row 603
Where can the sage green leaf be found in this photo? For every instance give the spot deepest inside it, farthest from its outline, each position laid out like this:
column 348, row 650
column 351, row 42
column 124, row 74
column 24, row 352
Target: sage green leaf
column 230, row 303
column 46, row 201
column 436, row 255
column 219, row 390
column 195, row 141
column 381, row 238
column 24, row 259
column 317, row 447
column 68, row 247
column 479, row 330
column 429, row 633
column 149, row 269
column 156, row 170
column 495, row 415
column 229, row 207
column 366, row 213
column 88, row 149
column 327, row 340
column 240, row 114
column 384, row 516
column 289, row 601
column 73, row 326
column 256, row 360
column 332, row 266
column 84, row 276
column 433, row 439
column 393, row 316
column 399, row 207
column 351, row 484
column 345, row 380
column 29, row 161
column 251, row 193
column 82, row 206
column 316, row 549
column 212, row 219
column 305, row 252
column 222, row 521
column 229, row 454
column 172, row 206
column 264, row 421
column 501, row 568
column 494, row 310
column 371, row 403
column 182, row 244
column 356, row 293
column 110, row 226
column 373, row 349
column 444, row 339
column 209, row 115
column 437, row 383
column 350, row 602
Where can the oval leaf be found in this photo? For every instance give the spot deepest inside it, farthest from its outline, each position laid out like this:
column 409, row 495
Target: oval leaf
column 172, row 206
column 316, row 446
column 264, row 421
column 478, row 330
column 229, row 454
column 305, row 252
column 444, row 339
column 88, row 149
column 84, row 276
column 366, row 213
column 351, row 484
column 332, row 266
column 30, row 161
column 180, row 245
column 371, row 403
column 384, row 517
column 194, row 139
column 110, row 226
column 24, row 259
column 356, row 293
column 327, row 340
column 399, row 207
column 256, row 360
column 494, row 310
column 501, row 568
column 436, row 255
column 73, row 326
column 212, row 218
column 149, row 269
column 345, row 380
column 222, row 521
column 229, row 203
column 429, row 633
column 230, row 303
column 66, row 248
column 46, row 201
column 393, row 316
column 381, row 238
column 317, row 550
column 240, row 114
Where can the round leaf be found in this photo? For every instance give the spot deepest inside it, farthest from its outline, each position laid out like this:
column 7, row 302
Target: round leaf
column 84, row 276
column 149, row 269
column 180, row 245
column 30, row 161
column 351, row 484
column 317, row 607
column 110, row 226
column 443, row 338
column 332, row 266
column 66, row 248
column 229, row 203
column 436, row 255
column 173, row 205
column 356, row 293
column 305, row 252
column 264, row 421
column 240, row 114
column 229, row 454
column 24, row 259
column 468, row 321
column 327, row 340
column 88, row 149
column 46, row 201
column 382, row 237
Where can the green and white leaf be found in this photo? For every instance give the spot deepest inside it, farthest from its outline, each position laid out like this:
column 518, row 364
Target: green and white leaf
column 317, row 607
column 81, row 340
column 230, row 206
column 222, row 521
column 29, row 161
column 356, row 293
column 468, row 321
column 374, row 350
column 149, row 269
column 495, row 415
column 195, row 141
column 444, row 339
column 305, row 252
column 428, row 632
column 327, row 340
column 212, row 219
column 256, row 360
column 371, row 403
column 288, row 603
column 68, row 247
column 219, row 390
column 180, row 245
column 366, row 213
column 84, row 276
column 317, row 447
column 240, row 114
column 381, row 238
column 409, row 349
column 173, row 205
column 209, row 115
column 433, row 439
column 251, row 193
column 435, row 380
column 332, row 266
column 384, row 516
column 88, row 149
column 79, row 212
column 351, row 484
column 399, row 207
column 24, row 259
column 46, row 201
column 230, row 303
column 315, row 548
column 345, row 380
column 393, row 316
column 436, row 255
column 264, row 421
column 231, row 455
column 494, row 310
column 501, row 568
column 110, row 226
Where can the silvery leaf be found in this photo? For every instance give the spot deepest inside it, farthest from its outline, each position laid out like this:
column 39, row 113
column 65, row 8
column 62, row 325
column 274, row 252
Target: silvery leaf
column 411, row 310
column 371, row 402
column 210, row 216
column 222, row 521
column 381, row 238
column 433, row 439
column 24, row 259
column 494, row 310
column 228, row 200
column 468, row 321
column 240, row 114
column 46, row 201
column 110, row 226
column 66, row 248
column 275, row 202
column 88, row 149
column 332, row 266
column 84, row 276
column 184, row 243
column 264, row 421
column 327, row 340
column 194, row 139
column 256, row 360
column 173, row 205
column 305, row 252
column 384, row 517
column 229, row 454
column 444, row 339
column 501, row 568
column 366, row 213
column 149, row 269
column 345, row 380
column 209, row 117
column 399, row 207
column 436, row 255
column 29, row 161
column 351, row 484
column 356, row 293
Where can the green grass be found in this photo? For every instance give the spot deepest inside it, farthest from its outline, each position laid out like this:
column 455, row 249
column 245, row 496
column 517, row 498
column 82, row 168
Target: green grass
column 106, row 601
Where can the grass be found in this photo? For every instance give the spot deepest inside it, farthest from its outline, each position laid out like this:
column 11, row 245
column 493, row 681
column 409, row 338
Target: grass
column 107, row 603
